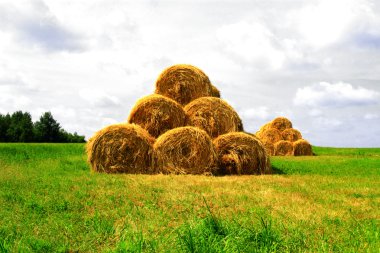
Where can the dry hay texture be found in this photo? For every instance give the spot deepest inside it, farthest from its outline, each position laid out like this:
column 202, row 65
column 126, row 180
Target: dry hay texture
column 291, row 135
column 302, row 148
column 213, row 115
column 241, row 153
column 157, row 114
column 281, row 123
column 185, row 150
column 183, row 83
column 283, row 148
column 215, row 92
column 121, row 148
column 270, row 135
column 269, row 148
column 265, row 127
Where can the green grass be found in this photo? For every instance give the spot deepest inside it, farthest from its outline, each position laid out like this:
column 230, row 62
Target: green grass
column 51, row 202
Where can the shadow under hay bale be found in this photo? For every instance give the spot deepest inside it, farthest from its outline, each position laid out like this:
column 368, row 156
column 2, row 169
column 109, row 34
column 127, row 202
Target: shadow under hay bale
column 281, row 123
column 291, row 135
column 270, row 135
column 185, row 150
column 213, row 115
column 302, row 148
column 121, row 148
column 183, row 83
column 157, row 114
column 283, row 148
column 240, row 153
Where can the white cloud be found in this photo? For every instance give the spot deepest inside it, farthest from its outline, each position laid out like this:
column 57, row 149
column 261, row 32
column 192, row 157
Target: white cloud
column 33, row 24
column 260, row 113
column 251, row 42
column 325, row 22
column 327, row 123
column 338, row 94
column 371, row 116
column 13, row 102
column 99, row 98
column 315, row 112
column 258, row 54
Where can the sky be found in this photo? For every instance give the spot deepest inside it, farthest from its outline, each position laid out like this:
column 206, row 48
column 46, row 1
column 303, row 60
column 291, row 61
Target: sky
column 315, row 62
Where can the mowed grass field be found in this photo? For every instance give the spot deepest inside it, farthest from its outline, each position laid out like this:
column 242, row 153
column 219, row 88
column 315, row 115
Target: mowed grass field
column 51, row 202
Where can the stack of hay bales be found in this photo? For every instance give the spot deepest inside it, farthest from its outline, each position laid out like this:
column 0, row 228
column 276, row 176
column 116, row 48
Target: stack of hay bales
column 281, row 139
column 184, row 128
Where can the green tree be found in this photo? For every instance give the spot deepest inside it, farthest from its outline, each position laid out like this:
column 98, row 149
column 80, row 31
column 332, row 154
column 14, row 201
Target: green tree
column 20, row 128
column 5, row 121
column 72, row 138
column 47, row 129
column 75, row 138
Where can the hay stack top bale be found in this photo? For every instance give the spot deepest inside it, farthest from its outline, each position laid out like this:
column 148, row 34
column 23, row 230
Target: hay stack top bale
column 291, row 134
column 283, row 148
column 157, row 114
column 270, row 135
column 241, row 153
column 185, row 150
column 213, row 115
column 183, row 83
column 265, row 126
column 302, row 148
column 281, row 123
column 121, row 148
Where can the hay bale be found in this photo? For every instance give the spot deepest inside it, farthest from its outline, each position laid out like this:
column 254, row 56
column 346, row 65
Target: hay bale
column 213, row 115
column 185, row 150
column 281, row 123
column 241, row 153
column 302, row 148
column 183, row 83
column 265, row 126
column 121, row 148
column 157, row 114
column 270, row 135
column 291, row 135
column 215, row 92
column 283, row 148
column 269, row 148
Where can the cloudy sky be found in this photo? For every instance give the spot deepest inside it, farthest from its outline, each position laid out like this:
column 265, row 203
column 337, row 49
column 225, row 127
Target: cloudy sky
column 316, row 62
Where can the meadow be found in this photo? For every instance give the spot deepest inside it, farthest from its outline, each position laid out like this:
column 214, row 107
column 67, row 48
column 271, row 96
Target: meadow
column 51, row 202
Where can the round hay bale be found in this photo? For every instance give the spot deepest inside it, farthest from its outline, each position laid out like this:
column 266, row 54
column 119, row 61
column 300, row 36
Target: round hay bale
column 157, row 114
column 270, row 135
column 269, row 148
column 215, row 92
column 281, row 123
column 183, row 83
column 283, row 148
column 240, row 153
column 302, row 148
column 265, row 126
column 213, row 115
column 185, row 150
column 121, row 148
column 291, row 135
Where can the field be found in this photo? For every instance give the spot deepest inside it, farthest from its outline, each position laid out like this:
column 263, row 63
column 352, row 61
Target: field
column 51, row 202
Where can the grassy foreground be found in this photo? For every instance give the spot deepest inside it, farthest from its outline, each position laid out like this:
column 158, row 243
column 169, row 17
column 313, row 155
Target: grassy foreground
column 51, row 202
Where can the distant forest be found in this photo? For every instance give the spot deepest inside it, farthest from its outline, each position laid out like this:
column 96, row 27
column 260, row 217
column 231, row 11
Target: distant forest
column 19, row 127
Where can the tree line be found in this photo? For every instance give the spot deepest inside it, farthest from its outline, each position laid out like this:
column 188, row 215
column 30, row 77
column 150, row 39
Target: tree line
column 19, row 127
